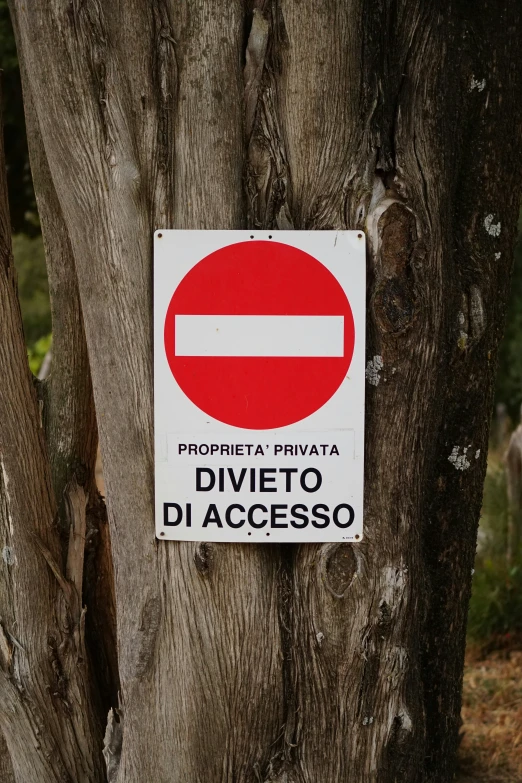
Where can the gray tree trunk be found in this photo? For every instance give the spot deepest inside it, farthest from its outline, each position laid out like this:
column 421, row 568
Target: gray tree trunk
column 246, row 664
column 48, row 717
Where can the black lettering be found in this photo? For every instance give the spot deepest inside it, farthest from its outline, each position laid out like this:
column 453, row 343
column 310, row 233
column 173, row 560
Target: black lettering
column 182, row 447
column 252, row 479
column 264, row 479
column 211, row 476
column 334, row 450
column 228, row 512
column 179, row 512
column 288, row 473
column 236, row 485
column 212, row 515
column 189, row 514
column 302, row 516
column 319, row 480
column 221, row 479
column 251, row 515
column 274, row 516
column 335, row 515
column 259, row 450
column 203, row 449
column 324, row 517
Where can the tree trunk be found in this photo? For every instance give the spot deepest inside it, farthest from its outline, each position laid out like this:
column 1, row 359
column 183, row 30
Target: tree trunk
column 6, row 768
column 47, row 715
column 291, row 663
column 69, row 417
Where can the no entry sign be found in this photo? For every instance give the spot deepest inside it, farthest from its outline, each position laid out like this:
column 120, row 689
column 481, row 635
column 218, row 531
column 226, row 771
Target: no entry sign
column 259, row 334
column 259, row 385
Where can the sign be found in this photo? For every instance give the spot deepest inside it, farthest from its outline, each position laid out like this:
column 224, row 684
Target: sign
column 259, row 385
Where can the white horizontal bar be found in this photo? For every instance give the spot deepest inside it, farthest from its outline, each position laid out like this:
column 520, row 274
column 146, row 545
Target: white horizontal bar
column 259, row 335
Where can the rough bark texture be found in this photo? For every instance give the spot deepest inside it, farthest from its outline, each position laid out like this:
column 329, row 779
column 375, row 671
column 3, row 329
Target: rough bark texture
column 248, row 664
column 6, row 768
column 46, row 710
column 69, row 418
column 190, row 622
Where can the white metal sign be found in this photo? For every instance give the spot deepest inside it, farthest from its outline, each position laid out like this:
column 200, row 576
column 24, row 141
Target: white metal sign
column 259, row 385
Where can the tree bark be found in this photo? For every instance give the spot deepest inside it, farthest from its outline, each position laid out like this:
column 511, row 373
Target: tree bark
column 295, row 663
column 6, row 768
column 69, row 418
column 46, row 716
column 117, row 100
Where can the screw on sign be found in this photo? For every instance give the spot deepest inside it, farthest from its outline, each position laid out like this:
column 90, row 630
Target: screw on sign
column 259, row 335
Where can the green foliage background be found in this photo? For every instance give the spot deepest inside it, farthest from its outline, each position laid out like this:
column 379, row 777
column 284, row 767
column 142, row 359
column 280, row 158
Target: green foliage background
column 33, row 289
column 495, row 610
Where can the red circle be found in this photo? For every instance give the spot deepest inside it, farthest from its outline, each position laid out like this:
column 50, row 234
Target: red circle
column 259, row 278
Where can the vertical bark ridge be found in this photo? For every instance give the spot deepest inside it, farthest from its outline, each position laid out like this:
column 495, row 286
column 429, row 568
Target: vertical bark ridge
column 69, row 418
column 152, row 86
column 268, row 183
column 68, row 405
column 46, row 712
column 6, row 768
column 318, row 97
